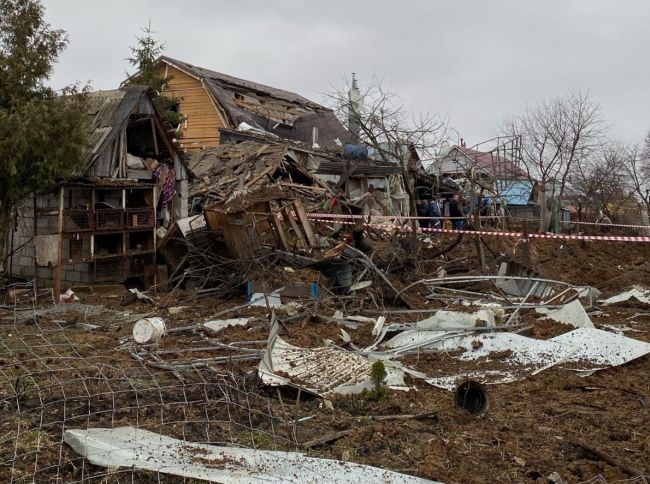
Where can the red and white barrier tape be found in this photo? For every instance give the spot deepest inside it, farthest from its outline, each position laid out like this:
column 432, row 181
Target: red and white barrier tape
column 483, row 217
column 520, row 235
column 600, row 224
column 392, row 217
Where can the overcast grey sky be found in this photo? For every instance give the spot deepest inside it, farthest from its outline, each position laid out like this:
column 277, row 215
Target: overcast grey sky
column 475, row 61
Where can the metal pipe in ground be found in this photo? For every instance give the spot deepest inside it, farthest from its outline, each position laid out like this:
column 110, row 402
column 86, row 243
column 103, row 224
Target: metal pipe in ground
column 472, row 397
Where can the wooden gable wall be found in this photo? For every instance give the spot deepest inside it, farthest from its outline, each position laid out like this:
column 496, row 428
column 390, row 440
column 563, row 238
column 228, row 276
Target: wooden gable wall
column 201, row 128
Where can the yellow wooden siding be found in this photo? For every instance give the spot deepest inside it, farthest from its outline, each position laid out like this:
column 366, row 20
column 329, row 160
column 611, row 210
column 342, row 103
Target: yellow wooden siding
column 203, row 121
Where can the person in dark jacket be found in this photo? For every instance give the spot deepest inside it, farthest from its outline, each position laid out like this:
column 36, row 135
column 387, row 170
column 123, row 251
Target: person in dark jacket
column 455, row 213
column 423, row 211
column 434, row 212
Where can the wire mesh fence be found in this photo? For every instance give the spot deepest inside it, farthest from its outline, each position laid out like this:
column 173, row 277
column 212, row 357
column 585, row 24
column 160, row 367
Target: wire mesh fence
column 57, row 375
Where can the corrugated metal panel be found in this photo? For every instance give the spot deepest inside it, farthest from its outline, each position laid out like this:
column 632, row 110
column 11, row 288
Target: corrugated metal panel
column 130, row 447
column 323, row 370
column 317, row 370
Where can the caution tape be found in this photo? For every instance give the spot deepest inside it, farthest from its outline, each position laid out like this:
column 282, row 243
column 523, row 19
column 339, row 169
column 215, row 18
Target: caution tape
column 483, row 217
column 490, row 233
column 600, row 224
column 391, row 217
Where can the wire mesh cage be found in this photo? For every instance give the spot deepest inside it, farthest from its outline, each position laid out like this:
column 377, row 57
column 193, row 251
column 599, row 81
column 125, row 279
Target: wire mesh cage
column 109, row 219
column 138, row 263
column 139, row 217
column 76, row 248
column 109, row 268
column 77, row 220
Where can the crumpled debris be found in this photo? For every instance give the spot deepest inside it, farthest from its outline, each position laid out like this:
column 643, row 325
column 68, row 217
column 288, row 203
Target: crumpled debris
column 323, row 370
column 637, row 293
column 130, row 447
column 573, row 314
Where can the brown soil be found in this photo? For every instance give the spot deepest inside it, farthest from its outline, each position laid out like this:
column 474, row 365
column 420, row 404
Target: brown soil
column 55, row 376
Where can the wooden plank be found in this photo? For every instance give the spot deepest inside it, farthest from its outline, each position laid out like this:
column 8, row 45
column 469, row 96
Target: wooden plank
column 155, row 136
column 306, row 225
column 302, row 243
column 59, row 261
column 278, row 225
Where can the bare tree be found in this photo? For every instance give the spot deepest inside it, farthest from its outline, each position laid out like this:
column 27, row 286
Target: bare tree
column 638, row 170
column 556, row 135
column 602, row 181
column 377, row 118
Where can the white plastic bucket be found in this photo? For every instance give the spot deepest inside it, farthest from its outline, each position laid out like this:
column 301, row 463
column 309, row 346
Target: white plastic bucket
column 149, row 330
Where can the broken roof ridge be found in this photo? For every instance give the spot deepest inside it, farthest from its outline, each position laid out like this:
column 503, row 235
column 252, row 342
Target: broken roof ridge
column 202, row 72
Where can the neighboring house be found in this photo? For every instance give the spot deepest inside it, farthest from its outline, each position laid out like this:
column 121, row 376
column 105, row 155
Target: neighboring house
column 460, row 162
column 210, row 101
column 100, row 224
column 519, row 197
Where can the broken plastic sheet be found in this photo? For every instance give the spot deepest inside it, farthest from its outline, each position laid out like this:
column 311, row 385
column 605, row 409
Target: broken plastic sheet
column 636, row 293
column 141, row 449
column 573, row 314
column 449, row 321
column 493, row 358
column 323, row 370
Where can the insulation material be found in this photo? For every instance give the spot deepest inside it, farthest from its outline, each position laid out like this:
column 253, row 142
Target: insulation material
column 573, row 314
column 130, row 447
column 135, row 162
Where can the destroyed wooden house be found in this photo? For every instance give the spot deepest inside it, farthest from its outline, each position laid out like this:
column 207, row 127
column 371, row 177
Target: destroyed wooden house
column 257, row 194
column 209, row 101
column 259, row 197
column 376, row 187
column 100, row 225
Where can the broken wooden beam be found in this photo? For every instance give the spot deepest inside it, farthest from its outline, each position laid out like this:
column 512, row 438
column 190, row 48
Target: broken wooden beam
column 306, row 225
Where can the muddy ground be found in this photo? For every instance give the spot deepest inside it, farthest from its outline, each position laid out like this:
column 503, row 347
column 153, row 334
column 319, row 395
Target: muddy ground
column 54, row 375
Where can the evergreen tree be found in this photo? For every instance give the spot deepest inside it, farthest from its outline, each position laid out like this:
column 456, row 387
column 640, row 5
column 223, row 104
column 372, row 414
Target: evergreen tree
column 144, row 56
column 42, row 134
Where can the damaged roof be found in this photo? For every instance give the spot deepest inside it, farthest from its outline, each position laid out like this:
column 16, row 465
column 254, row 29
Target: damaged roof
column 322, row 162
column 107, row 112
column 277, row 111
column 247, row 169
column 107, row 115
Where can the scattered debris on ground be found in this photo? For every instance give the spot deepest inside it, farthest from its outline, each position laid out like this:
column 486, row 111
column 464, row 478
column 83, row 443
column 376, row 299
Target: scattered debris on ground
column 550, row 380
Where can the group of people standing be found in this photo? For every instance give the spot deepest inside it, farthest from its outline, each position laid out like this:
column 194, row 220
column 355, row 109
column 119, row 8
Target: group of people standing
column 459, row 213
column 432, row 209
